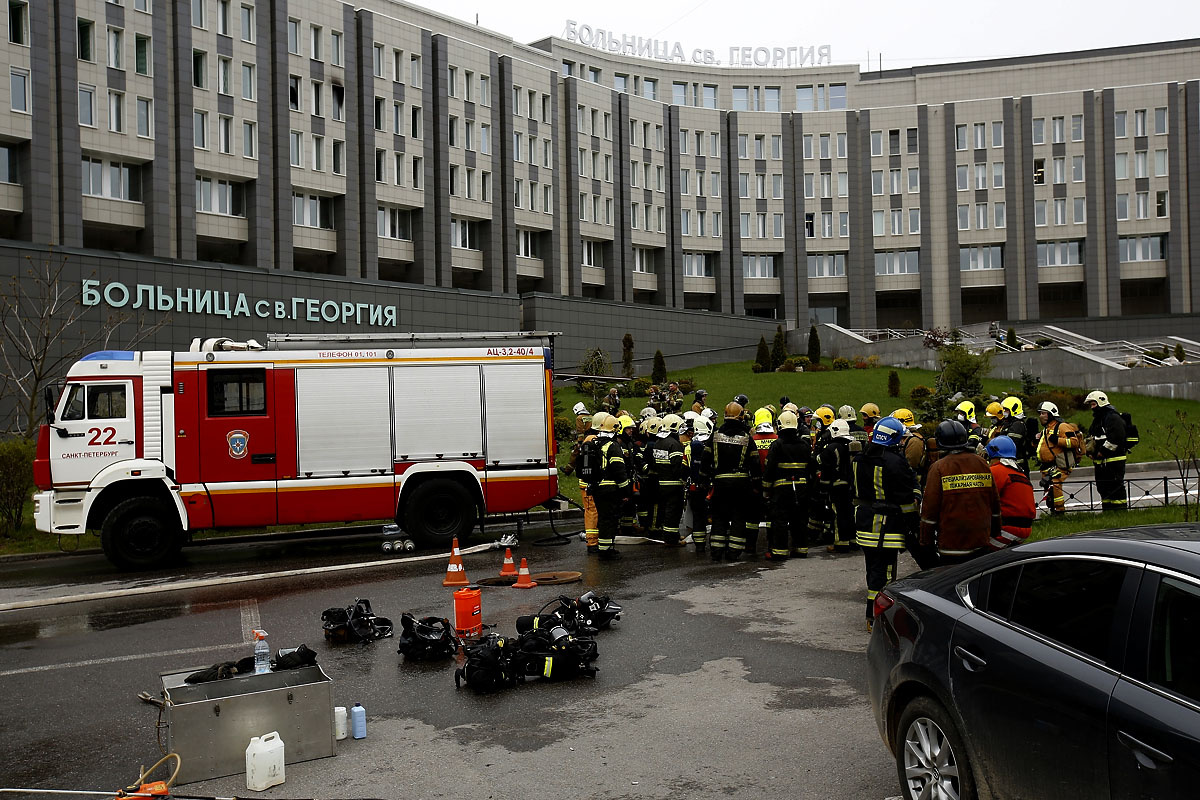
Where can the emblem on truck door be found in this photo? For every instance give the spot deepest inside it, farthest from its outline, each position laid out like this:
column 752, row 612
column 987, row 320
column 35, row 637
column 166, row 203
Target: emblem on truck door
column 239, row 443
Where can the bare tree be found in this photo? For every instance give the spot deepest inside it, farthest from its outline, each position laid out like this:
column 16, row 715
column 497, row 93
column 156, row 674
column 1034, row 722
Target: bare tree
column 1183, row 445
column 43, row 330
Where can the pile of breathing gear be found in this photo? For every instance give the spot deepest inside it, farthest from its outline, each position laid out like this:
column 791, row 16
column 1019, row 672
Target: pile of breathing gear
column 552, row 644
column 293, row 658
column 427, row 638
column 356, row 623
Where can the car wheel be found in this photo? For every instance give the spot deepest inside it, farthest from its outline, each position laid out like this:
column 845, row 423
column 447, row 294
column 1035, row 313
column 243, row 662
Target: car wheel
column 931, row 759
column 438, row 511
column 140, row 534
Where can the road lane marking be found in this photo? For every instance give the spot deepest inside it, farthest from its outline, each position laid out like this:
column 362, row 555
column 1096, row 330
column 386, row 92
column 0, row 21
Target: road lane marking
column 117, row 659
column 250, row 620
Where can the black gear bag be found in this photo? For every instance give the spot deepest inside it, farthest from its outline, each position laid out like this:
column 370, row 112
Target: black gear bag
column 356, row 623
column 488, row 666
column 426, row 639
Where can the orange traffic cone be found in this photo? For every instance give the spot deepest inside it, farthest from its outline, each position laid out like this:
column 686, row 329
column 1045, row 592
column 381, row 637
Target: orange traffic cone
column 523, row 579
column 508, row 569
column 456, row 574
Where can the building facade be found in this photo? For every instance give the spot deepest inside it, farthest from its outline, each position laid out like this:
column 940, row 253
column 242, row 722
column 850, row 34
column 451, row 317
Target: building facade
column 387, row 145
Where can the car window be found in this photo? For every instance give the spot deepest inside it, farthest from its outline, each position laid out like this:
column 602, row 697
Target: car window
column 106, row 402
column 74, row 407
column 237, row 392
column 1174, row 651
column 1071, row 601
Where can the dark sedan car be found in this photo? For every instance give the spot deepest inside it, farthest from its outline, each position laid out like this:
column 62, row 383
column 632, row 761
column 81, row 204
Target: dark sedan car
column 1066, row 668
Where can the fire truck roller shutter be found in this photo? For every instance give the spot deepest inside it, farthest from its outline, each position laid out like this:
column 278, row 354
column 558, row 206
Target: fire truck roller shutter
column 515, row 416
column 343, row 421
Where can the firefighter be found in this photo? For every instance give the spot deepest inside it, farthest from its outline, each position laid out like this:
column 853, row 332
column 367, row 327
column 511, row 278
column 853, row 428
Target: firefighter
column 613, row 489
column 820, row 515
column 857, row 432
column 583, row 425
column 804, row 416
column 886, row 488
column 834, row 462
column 759, row 517
column 915, row 448
column 611, row 402
column 1059, row 446
column 699, row 457
column 673, row 399
column 644, row 485
column 785, row 481
column 964, row 412
column 1022, row 431
column 655, row 400
column 591, row 526
column 665, row 468
column 629, row 510
column 699, row 405
column 1017, row 506
column 870, row 415
column 735, row 469
column 960, row 511
column 994, row 413
column 1108, row 448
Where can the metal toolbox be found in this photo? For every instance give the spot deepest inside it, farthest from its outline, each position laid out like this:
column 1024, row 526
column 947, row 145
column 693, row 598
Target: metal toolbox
column 210, row 724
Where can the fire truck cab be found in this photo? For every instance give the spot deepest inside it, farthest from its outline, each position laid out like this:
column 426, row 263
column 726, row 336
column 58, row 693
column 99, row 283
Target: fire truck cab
column 430, row 430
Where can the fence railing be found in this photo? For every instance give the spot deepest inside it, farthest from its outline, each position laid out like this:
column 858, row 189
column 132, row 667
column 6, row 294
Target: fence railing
column 1139, row 493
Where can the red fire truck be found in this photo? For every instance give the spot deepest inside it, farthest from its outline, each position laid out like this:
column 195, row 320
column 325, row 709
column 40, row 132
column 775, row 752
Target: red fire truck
column 431, row 430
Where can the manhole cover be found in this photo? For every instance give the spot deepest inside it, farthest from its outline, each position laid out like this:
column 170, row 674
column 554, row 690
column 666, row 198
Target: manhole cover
column 553, row 578
column 507, row 580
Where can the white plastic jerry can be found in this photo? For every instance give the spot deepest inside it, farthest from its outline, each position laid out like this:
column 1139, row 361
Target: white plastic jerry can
column 264, row 762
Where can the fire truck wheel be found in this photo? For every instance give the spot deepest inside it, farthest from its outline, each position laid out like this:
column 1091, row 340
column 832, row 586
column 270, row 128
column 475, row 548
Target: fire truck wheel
column 438, row 511
column 140, row 533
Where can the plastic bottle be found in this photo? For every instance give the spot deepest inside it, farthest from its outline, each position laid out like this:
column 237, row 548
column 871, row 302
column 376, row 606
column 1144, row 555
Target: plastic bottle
column 341, row 723
column 358, row 721
column 262, row 652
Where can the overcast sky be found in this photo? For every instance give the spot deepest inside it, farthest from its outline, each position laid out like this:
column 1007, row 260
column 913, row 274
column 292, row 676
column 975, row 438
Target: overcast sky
column 922, row 32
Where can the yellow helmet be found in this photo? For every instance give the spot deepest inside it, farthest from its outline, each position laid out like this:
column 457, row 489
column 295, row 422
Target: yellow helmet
column 994, row 410
column 869, row 410
column 967, row 408
column 788, row 420
column 762, row 417
column 651, row 426
column 825, row 414
column 626, row 422
column 905, row 416
column 610, row 425
column 1012, row 404
column 598, row 419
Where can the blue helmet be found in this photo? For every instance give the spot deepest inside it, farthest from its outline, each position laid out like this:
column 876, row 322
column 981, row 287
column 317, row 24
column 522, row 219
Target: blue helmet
column 888, row 432
column 1001, row 447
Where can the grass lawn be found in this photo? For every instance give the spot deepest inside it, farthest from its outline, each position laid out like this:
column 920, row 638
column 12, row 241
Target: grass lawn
column 1050, row 527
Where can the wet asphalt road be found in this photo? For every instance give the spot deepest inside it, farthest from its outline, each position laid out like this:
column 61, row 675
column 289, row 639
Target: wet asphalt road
column 721, row 680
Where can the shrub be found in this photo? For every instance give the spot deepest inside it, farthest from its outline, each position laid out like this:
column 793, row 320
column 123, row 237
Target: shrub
column 1180, row 354
column 789, row 365
column 814, row 346
column 757, row 367
column 860, row 363
column 687, row 385
column 1010, row 338
column 817, row 368
column 16, row 481
column 1043, row 341
column 920, row 392
column 962, row 370
column 564, row 429
column 779, row 351
column 659, row 372
column 936, row 338
column 801, row 362
column 1066, row 401
column 872, row 361
column 893, row 383
column 627, row 355
column 639, row 387
column 1156, row 354
column 1030, row 383
column 762, row 359
column 840, row 364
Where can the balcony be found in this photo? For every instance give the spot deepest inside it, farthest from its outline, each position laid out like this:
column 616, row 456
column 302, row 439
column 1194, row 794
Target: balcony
column 697, row 285
column 827, row 284
column 462, row 258
column 897, row 283
column 645, row 282
column 12, row 197
column 592, row 276
column 981, row 277
column 530, row 267
column 1139, row 270
column 222, row 226
column 322, row 240
column 1062, row 273
column 760, row 286
column 391, row 249
column 113, row 213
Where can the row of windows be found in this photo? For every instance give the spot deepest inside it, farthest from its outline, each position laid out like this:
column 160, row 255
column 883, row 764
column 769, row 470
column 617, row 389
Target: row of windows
column 484, row 94
column 530, row 198
column 710, row 182
column 985, row 257
column 760, row 149
column 1141, row 204
column 643, row 171
column 531, row 103
column 601, row 123
column 827, row 265
column 891, row 221
column 708, row 223
column 826, row 221
column 894, row 184
column 416, row 170
column 758, row 266
column 223, row 16
column 650, row 218
column 1141, row 165
column 998, row 215
column 1058, row 207
column 697, row 140
column 824, row 140
column 600, row 163
column 143, row 47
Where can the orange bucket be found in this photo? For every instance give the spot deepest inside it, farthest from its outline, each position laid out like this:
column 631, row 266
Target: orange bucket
column 468, row 611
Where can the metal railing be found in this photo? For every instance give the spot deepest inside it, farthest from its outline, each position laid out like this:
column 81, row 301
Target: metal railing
column 1139, row 493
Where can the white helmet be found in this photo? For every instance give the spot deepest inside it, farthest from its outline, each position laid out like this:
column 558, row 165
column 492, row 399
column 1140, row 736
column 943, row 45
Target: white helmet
column 579, row 408
column 691, row 416
column 839, row 428
column 598, row 419
column 847, row 413
column 702, row 429
column 647, row 412
column 1099, row 397
column 671, row 424
column 708, row 413
column 1049, row 408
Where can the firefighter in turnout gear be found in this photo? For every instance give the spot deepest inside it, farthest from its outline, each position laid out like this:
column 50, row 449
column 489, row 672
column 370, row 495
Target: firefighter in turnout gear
column 645, row 492
column 673, row 399
column 1059, row 448
column 1022, row 431
column 736, row 470
column 964, row 412
column 664, row 465
column 870, row 415
column 785, row 483
column 886, row 507
column 760, row 515
column 916, row 449
column 583, row 424
column 700, row 404
column 960, row 511
column 614, row 488
column 835, row 464
column 698, row 455
column 820, row 513
column 591, row 518
column 857, row 432
column 629, row 509
column 611, row 402
column 1108, row 450
column 1017, row 506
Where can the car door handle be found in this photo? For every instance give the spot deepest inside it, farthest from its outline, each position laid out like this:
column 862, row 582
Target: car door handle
column 262, row 458
column 970, row 660
column 126, row 441
column 1146, row 755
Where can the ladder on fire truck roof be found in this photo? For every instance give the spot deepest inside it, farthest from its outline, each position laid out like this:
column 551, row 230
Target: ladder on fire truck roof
column 307, row 341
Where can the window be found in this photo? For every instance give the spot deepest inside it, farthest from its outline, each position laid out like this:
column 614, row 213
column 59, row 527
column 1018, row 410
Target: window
column 804, row 98
column 1039, row 130
column 1119, row 125
column 199, row 69
column 981, row 176
column 777, row 186
column 18, row 22
column 760, row 185
column 744, row 227
column 914, row 220
column 1121, row 166
column 877, row 181
column 223, row 17
column 837, row 97
column 998, row 215
column 250, row 140
column 964, row 217
column 111, row 179
column 1139, row 122
column 1060, row 211
column 743, row 146
column 1077, row 127
column 219, row 197
column 103, row 402
column 897, row 221
column 294, row 92
column 998, row 134
column 116, row 112
column 87, row 105
column 312, row 211
column 145, row 117
column 296, row 148
column 1160, row 163
column 1173, row 655
column 224, row 76
column 914, row 180
column 771, row 99
column 84, row 32
column 593, row 253
column 1160, row 121
column 741, row 98
column 960, row 137
column 143, row 55
column 116, row 47
column 810, row 185
column 975, row 258
column 247, row 23
column 696, row 265
column 824, row 142
column 980, row 133
column 715, row 184
column 894, row 142
column 1058, row 130
column 827, row 265
column 896, row 184
column 199, row 14
column 318, row 153
column 897, row 262
column 1143, row 205
column 248, row 81
column 1122, row 206
column 758, row 266
column 776, row 226
column 962, row 179
column 744, row 184
column 394, row 223
column 416, row 126
column 807, row 142
column 911, row 137
column 237, row 392
column 293, row 35
column 843, row 184
column 1141, row 248
column 1140, row 167
column 414, row 71
column 1077, row 169
column 1060, row 170
column 339, row 157
column 315, row 34
column 841, row 145
column 876, row 143
column 18, row 84
column 225, row 135
column 843, row 224
column 335, row 48
column 997, row 174
column 685, row 222
column 1039, row 172
column 1039, row 212
column 981, row 216
column 877, row 222
column 452, row 81
column 776, row 147
column 685, row 180
column 1080, row 210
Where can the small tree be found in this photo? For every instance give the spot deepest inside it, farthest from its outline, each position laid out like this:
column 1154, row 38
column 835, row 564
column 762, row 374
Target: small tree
column 16, row 481
column 893, row 383
column 814, row 345
column 1030, row 383
column 659, row 373
column 1011, row 339
column 595, row 362
column 779, row 351
column 1183, row 445
column 1180, row 354
column 627, row 355
column 962, row 371
column 762, row 359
